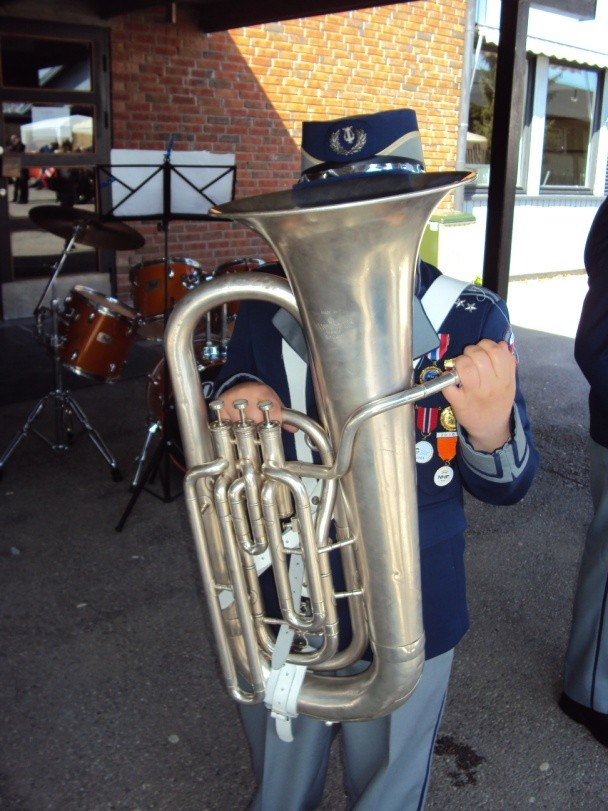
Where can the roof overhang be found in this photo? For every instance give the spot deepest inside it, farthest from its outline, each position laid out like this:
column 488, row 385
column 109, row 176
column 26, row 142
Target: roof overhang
column 555, row 50
column 579, row 9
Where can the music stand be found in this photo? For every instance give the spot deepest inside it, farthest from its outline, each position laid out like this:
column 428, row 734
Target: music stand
column 74, row 225
column 165, row 190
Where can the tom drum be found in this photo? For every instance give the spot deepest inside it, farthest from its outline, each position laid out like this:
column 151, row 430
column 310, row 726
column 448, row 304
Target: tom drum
column 96, row 333
column 155, row 395
column 151, row 300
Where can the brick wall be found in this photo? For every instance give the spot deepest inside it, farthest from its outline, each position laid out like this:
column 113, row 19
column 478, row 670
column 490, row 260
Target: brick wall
column 248, row 90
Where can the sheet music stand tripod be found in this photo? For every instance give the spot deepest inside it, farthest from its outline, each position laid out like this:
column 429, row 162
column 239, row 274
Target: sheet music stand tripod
column 161, row 460
column 83, row 227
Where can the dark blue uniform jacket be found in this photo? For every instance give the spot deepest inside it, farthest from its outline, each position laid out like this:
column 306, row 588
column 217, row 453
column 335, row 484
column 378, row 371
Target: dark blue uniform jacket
column 591, row 344
column 502, row 477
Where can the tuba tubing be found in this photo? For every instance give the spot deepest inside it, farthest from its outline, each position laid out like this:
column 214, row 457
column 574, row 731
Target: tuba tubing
column 349, row 251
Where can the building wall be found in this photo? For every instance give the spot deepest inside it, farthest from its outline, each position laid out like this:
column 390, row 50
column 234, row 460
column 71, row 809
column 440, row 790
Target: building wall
column 549, row 235
column 247, row 91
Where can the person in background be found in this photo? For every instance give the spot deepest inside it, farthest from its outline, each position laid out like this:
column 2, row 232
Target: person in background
column 585, row 695
column 489, row 452
column 21, row 192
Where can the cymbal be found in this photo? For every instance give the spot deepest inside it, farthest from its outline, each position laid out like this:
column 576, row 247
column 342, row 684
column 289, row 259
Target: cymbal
column 89, row 229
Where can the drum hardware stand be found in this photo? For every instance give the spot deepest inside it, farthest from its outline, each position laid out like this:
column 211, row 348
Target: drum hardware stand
column 65, row 406
column 160, row 461
column 213, row 351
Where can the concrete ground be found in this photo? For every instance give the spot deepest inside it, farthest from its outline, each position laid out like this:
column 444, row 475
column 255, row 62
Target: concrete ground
column 109, row 690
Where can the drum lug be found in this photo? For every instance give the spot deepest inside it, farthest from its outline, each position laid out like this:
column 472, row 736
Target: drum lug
column 191, row 280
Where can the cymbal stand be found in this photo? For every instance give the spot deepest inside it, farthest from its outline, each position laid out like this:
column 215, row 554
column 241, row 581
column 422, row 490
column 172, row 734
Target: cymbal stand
column 65, row 406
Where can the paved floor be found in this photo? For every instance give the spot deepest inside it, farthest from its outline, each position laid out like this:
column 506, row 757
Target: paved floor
column 109, row 694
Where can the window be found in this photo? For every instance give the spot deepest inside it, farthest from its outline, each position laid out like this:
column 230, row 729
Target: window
column 54, row 121
column 571, row 99
column 558, row 147
column 48, row 128
column 32, row 62
column 481, row 116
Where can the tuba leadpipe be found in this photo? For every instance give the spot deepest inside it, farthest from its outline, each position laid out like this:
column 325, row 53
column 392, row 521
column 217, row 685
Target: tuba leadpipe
column 349, row 251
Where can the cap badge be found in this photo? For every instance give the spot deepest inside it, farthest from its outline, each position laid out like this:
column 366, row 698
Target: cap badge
column 347, row 140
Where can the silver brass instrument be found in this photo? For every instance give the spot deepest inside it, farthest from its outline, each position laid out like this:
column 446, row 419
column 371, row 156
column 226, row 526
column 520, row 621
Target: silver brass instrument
column 349, row 251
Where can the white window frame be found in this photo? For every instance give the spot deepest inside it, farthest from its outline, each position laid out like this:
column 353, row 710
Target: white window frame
column 598, row 144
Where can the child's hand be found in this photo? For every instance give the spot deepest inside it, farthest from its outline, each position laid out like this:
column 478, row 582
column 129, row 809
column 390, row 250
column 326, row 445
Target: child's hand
column 254, row 393
column 483, row 401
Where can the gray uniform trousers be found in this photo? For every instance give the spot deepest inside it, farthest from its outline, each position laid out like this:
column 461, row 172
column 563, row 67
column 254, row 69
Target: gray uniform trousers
column 586, row 665
column 386, row 761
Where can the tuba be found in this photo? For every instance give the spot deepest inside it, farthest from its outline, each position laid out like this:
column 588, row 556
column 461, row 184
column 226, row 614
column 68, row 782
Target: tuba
column 349, row 250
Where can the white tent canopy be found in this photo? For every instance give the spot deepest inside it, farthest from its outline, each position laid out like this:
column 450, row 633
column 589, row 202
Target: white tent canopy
column 75, row 128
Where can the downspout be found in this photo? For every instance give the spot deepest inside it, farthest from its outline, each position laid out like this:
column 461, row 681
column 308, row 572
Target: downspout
column 468, row 72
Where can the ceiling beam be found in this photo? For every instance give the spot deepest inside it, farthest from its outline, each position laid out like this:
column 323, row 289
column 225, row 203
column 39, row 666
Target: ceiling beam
column 116, row 8
column 221, row 15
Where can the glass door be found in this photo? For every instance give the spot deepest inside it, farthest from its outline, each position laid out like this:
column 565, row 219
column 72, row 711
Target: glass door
column 54, row 93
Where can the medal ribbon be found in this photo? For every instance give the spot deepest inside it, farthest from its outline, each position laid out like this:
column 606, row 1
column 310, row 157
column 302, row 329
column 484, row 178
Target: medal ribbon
column 446, row 445
column 426, row 419
column 437, row 354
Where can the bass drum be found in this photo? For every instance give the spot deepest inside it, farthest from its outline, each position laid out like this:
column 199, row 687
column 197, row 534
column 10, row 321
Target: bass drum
column 155, row 396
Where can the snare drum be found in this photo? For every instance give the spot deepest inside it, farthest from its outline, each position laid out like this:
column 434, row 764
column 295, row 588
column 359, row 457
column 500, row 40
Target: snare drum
column 148, row 290
column 155, row 396
column 96, row 333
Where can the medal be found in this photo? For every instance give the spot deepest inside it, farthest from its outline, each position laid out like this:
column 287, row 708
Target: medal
column 446, row 448
column 424, row 452
column 447, row 419
column 426, row 422
column 443, row 476
column 430, row 373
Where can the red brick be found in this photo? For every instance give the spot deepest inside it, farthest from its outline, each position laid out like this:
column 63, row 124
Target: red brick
column 248, row 90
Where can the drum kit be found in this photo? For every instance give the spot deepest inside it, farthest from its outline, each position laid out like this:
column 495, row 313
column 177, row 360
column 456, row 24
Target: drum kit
column 92, row 334
column 210, row 344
